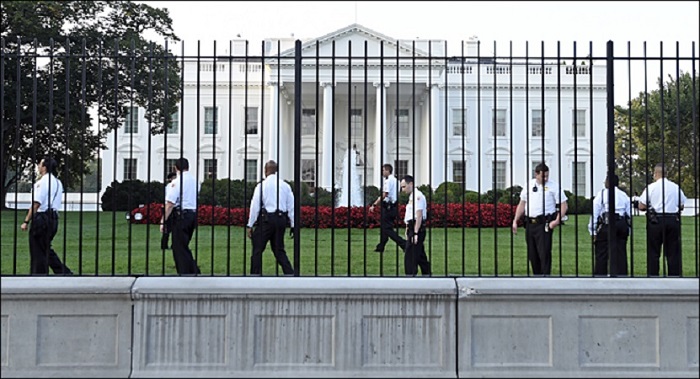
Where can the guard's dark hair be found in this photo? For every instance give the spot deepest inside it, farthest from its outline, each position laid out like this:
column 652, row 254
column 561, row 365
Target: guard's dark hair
column 614, row 180
column 171, row 175
column 388, row 167
column 182, row 164
column 541, row 168
column 408, row 179
column 50, row 164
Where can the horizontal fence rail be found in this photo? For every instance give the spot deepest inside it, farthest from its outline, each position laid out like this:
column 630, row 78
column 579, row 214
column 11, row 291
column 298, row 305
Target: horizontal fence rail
column 469, row 128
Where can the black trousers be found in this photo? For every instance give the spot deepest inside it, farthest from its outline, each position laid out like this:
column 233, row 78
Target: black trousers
column 42, row 256
column 666, row 232
column 270, row 230
column 616, row 259
column 539, row 248
column 183, row 226
column 415, row 253
column 388, row 218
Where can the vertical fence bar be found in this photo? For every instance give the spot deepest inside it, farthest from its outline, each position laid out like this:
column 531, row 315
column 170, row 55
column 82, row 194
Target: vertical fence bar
column 297, row 154
column 696, row 182
column 349, row 160
column 478, row 151
column 316, row 151
column 610, row 86
column 512, row 138
column 365, row 115
column 494, row 167
column 629, row 151
column 149, row 120
column 229, row 205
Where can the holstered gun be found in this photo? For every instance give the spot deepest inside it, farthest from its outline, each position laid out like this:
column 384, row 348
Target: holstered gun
column 652, row 216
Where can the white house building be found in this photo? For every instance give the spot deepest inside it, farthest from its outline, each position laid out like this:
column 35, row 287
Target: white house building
column 470, row 118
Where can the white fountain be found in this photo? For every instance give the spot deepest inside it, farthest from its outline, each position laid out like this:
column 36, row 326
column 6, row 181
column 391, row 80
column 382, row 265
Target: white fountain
column 350, row 190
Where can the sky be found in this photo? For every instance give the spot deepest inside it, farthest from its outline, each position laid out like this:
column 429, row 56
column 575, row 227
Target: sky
column 566, row 22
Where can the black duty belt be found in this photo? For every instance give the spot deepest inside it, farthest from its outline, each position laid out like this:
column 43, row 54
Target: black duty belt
column 541, row 219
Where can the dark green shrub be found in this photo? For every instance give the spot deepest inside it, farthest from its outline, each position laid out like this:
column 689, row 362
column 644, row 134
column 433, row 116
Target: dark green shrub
column 371, row 194
column 511, row 195
column 448, row 192
column 578, row 204
column 130, row 194
column 218, row 193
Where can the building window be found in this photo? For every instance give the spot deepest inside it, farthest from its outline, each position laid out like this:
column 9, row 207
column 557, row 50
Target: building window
column 537, row 123
column 458, row 171
column 356, row 124
column 401, row 122
column 174, row 126
column 578, row 123
column 210, row 169
column 130, row 168
column 308, row 173
column 170, row 166
column 308, row 122
column 533, row 165
column 499, row 174
column 498, row 122
column 251, row 170
column 251, row 120
column 578, row 178
column 400, row 168
column 211, row 120
column 459, row 123
column 131, row 120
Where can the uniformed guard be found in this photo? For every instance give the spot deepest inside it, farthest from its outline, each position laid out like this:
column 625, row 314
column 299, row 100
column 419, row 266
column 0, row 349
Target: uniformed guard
column 43, row 214
column 268, row 219
column 598, row 228
column 415, row 217
column 663, row 200
column 181, row 206
column 389, row 211
column 544, row 205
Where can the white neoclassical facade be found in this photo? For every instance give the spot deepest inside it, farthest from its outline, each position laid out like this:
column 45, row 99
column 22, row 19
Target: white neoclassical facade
column 407, row 103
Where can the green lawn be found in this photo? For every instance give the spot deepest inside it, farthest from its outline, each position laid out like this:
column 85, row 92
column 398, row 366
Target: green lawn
column 130, row 249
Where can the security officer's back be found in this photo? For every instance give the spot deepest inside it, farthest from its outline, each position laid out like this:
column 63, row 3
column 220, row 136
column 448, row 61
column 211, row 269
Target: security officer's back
column 271, row 208
column 181, row 206
column 598, row 227
column 664, row 201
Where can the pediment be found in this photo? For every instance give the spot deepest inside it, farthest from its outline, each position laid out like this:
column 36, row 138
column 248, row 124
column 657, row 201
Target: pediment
column 354, row 36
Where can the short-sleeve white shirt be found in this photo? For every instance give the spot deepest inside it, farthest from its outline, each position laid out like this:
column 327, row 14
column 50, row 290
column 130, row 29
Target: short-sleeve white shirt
column 416, row 201
column 391, row 187
column 189, row 191
column 274, row 197
column 543, row 200
column 48, row 190
column 663, row 196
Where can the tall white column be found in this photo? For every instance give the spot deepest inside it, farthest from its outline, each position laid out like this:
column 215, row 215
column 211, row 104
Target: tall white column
column 274, row 124
column 326, row 164
column 438, row 138
column 380, row 153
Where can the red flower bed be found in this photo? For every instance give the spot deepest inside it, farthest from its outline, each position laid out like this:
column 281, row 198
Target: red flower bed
column 440, row 215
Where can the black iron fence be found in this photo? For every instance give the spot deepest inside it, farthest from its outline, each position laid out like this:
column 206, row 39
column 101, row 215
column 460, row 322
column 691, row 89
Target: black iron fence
column 470, row 127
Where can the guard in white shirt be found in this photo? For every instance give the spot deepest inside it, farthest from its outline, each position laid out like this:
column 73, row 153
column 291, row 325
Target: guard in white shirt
column 598, row 228
column 268, row 219
column 415, row 217
column 389, row 200
column 181, row 206
column 663, row 200
column 544, row 205
column 43, row 214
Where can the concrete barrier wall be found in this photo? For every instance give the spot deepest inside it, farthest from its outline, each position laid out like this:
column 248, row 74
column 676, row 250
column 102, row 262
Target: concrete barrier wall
column 575, row 327
column 349, row 327
column 66, row 327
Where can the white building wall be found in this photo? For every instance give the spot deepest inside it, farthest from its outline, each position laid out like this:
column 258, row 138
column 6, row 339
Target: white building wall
column 435, row 149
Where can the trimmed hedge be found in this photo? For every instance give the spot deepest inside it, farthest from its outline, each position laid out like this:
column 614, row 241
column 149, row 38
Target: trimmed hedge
column 450, row 215
column 130, row 194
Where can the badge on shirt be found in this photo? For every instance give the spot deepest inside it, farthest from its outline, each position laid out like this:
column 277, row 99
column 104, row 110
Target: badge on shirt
column 172, row 185
column 546, row 188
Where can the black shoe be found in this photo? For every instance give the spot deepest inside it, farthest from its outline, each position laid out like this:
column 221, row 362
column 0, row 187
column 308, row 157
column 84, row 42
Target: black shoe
column 378, row 249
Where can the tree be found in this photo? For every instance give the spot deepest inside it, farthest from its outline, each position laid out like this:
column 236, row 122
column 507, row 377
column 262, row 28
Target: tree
column 62, row 63
column 640, row 143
